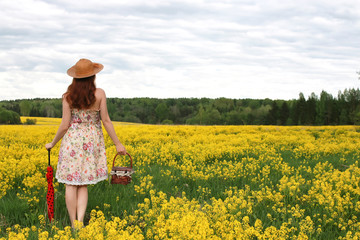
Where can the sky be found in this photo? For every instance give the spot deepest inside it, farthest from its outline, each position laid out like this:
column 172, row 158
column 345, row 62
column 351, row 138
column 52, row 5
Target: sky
column 190, row 48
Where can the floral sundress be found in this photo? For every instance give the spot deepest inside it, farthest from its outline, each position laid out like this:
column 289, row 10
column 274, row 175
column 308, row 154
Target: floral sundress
column 82, row 156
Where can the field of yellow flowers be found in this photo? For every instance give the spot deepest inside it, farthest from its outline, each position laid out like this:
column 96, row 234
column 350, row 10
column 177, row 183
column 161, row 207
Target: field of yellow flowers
column 193, row 182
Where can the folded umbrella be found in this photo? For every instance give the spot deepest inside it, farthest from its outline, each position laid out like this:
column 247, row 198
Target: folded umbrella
column 50, row 192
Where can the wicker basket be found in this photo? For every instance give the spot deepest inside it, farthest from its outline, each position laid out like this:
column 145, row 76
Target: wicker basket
column 121, row 175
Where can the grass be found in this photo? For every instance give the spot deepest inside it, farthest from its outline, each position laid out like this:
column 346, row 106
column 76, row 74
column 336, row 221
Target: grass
column 120, row 200
column 116, row 199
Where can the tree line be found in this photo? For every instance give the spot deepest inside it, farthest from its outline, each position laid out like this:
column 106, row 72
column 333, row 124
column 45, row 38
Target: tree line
column 325, row 109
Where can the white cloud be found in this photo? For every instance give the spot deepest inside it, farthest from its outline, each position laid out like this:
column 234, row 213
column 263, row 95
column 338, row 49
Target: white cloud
column 240, row 49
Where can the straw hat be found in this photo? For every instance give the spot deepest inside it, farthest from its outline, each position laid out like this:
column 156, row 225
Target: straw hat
column 84, row 68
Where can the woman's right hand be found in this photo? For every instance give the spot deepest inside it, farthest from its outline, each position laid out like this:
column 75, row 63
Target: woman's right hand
column 121, row 149
column 49, row 146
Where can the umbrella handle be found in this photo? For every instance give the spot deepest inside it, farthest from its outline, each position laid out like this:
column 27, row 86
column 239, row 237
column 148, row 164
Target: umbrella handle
column 49, row 156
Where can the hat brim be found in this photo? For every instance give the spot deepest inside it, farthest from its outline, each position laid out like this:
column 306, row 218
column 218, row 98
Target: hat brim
column 97, row 68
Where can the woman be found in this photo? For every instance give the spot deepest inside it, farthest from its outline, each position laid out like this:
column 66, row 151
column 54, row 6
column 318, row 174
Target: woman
column 82, row 157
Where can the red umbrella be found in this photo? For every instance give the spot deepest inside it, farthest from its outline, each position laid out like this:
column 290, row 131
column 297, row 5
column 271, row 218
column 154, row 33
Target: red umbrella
column 50, row 192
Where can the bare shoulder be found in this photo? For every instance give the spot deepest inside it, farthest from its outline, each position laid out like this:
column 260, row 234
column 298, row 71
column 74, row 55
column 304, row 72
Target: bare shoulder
column 64, row 99
column 99, row 93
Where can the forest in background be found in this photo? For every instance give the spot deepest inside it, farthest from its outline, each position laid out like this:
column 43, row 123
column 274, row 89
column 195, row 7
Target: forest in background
column 325, row 109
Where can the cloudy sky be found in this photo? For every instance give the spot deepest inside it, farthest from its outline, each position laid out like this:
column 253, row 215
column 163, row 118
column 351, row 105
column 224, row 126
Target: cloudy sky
column 187, row 48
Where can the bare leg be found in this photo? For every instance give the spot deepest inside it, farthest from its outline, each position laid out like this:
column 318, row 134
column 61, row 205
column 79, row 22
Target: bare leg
column 71, row 199
column 82, row 199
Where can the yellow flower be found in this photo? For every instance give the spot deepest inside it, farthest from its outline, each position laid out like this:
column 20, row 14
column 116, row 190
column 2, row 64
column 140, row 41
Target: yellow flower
column 222, row 182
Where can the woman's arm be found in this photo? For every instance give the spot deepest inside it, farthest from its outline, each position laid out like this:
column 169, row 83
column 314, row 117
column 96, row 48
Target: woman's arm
column 64, row 125
column 108, row 124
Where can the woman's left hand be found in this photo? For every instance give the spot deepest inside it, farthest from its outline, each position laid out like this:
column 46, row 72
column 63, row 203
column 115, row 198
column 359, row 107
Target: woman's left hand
column 49, row 146
column 121, row 149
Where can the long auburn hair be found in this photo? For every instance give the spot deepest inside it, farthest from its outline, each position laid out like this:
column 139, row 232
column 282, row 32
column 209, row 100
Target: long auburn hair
column 81, row 93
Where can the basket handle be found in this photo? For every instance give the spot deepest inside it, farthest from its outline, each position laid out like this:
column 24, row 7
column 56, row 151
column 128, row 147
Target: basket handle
column 126, row 154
